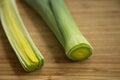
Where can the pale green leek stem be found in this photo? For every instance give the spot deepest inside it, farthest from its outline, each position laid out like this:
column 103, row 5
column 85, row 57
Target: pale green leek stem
column 58, row 17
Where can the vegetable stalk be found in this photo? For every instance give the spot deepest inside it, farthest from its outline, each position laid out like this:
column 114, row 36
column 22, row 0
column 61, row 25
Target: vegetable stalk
column 26, row 51
column 57, row 16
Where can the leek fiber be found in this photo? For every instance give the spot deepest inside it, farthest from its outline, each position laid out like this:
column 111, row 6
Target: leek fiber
column 26, row 51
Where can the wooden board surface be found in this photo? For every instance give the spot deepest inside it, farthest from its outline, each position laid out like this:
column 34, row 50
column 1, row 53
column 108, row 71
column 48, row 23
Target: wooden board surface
column 98, row 20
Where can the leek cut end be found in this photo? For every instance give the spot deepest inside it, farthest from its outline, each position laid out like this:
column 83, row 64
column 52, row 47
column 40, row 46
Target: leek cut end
column 34, row 65
column 80, row 52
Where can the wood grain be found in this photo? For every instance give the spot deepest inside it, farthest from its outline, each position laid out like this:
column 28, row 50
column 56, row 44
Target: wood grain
column 98, row 20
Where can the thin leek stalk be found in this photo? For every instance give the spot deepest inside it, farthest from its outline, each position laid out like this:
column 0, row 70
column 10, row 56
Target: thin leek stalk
column 58, row 17
column 26, row 51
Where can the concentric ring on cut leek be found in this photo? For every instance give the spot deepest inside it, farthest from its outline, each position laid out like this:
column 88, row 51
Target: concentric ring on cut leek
column 80, row 52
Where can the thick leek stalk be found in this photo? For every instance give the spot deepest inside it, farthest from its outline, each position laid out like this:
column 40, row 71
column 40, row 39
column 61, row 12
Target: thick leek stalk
column 26, row 51
column 58, row 17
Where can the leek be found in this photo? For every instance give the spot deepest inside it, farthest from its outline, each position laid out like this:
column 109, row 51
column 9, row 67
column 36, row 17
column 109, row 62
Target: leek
column 26, row 51
column 57, row 16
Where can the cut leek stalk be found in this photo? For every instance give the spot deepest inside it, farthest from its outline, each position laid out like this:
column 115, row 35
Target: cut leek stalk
column 26, row 51
column 58, row 18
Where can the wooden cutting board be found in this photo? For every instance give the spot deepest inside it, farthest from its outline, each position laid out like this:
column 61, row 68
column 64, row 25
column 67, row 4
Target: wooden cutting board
column 98, row 20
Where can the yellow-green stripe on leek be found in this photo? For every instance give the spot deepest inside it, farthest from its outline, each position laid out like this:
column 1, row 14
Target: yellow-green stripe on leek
column 58, row 17
column 26, row 51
